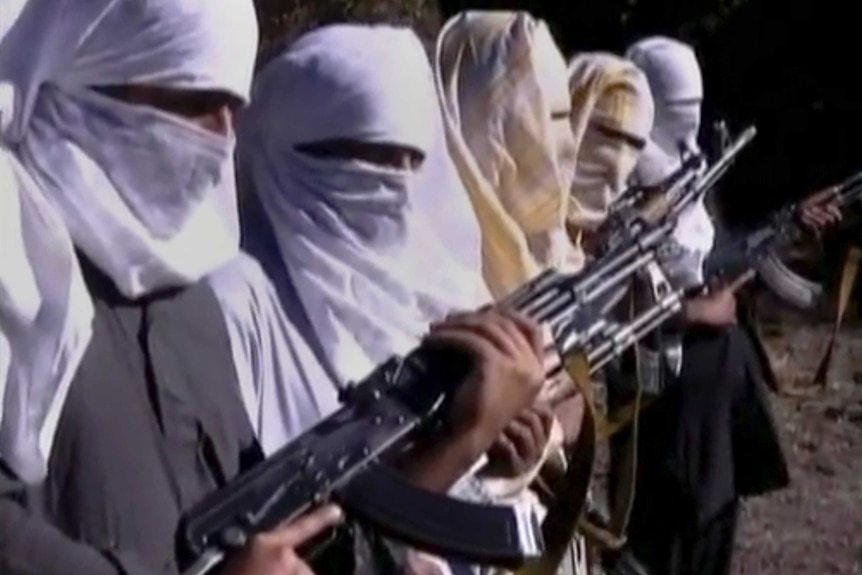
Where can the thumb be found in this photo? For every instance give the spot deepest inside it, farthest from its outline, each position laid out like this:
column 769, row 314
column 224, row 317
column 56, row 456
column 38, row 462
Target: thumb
column 304, row 529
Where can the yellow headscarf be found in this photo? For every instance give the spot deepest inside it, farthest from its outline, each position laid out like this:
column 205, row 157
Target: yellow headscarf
column 501, row 80
column 612, row 115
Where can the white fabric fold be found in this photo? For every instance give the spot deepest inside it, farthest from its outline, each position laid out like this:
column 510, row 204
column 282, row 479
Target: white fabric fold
column 149, row 198
column 368, row 269
column 284, row 387
column 443, row 202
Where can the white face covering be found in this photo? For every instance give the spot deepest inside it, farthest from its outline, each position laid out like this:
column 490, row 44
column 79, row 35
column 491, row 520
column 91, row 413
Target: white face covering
column 675, row 80
column 148, row 156
column 149, row 198
column 364, row 202
column 369, row 270
column 139, row 190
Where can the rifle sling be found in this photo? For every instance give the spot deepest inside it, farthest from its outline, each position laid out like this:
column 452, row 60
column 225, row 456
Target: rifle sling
column 566, row 516
column 570, row 493
column 625, row 489
column 848, row 279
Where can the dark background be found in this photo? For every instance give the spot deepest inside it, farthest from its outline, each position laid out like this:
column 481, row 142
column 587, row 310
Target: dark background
column 791, row 68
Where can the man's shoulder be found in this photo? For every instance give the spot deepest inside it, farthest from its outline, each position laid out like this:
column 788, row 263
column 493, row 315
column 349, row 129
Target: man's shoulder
column 242, row 272
column 242, row 287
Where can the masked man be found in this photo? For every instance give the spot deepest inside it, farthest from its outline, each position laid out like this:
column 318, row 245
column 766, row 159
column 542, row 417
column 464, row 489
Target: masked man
column 122, row 406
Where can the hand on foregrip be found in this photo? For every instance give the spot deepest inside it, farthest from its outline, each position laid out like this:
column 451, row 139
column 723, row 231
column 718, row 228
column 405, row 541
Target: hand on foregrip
column 274, row 553
column 521, row 445
column 820, row 211
column 507, row 349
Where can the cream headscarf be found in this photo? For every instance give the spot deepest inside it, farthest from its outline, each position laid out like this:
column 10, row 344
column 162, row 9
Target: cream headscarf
column 149, row 198
column 612, row 115
column 368, row 268
column 675, row 80
column 502, row 84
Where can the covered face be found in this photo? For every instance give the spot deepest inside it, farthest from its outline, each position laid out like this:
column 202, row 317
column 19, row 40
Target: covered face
column 612, row 115
column 108, row 159
column 675, row 80
column 502, row 82
column 674, row 77
column 340, row 127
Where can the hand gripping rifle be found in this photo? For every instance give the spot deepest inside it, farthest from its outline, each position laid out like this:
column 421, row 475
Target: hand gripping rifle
column 338, row 459
column 637, row 238
column 343, row 457
column 761, row 248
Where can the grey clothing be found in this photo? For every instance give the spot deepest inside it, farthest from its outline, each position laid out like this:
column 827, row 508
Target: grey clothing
column 153, row 422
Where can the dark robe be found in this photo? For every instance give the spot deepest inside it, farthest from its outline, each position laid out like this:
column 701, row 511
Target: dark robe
column 153, row 422
column 705, row 443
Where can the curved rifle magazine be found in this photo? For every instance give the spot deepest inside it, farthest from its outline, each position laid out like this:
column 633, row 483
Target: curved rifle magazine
column 503, row 536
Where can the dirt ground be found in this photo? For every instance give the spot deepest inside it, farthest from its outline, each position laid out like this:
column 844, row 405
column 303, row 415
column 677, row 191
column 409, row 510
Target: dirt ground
column 815, row 526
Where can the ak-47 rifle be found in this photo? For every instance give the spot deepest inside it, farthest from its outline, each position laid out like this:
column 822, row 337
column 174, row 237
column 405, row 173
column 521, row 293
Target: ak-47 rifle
column 761, row 249
column 633, row 202
column 343, row 457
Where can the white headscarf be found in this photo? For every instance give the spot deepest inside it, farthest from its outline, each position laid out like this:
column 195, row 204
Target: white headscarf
column 503, row 84
column 674, row 77
column 369, row 271
column 148, row 197
column 444, row 204
column 284, row 387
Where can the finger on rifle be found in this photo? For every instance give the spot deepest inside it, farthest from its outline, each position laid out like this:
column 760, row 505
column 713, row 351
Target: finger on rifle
column 530, row 330
column 821, row 196
column 521, row 435
column 823, row 215
column 492, row 327
column 460, row 338
column 834, row 211
column 539, row 422
column 305, row 528
column 514, row 335
column 508, row 447
column 740, row 281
